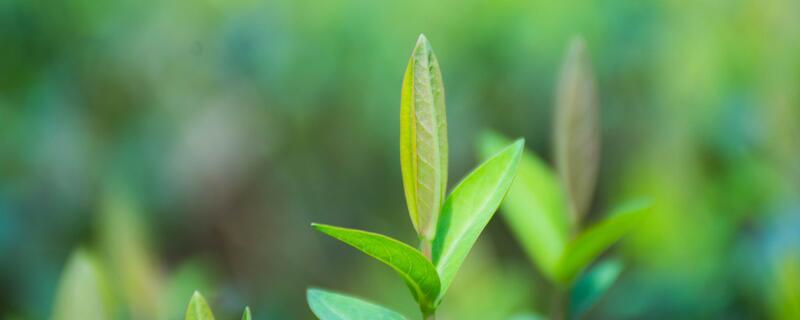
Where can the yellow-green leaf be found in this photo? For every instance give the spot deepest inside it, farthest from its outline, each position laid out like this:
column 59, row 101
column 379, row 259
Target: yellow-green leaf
column 534, row 207
column 423, row 139
column 470, row 207
column 198, row 308
column 334, row 306
column 592, row 242
column 416, row 270
column 82, row 291
column 577, row 129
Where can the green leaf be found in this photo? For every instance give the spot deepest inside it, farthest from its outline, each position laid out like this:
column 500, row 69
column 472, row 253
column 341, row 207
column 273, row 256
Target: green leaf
column 246, row 315
column 423, row 139
column 124, row 239
column 82, row 291
column 198, row 308
column 470, row 207
column 534, row 207
column 592, row 242
column 328, row 305
column 592, row 285
column 416, row 270
column 577, row 129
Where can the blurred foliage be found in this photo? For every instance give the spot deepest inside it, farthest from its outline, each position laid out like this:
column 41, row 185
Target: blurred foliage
column 232, row 124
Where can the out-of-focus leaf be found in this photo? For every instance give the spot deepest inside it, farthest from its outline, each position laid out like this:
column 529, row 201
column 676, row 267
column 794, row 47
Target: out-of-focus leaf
column 527, row 316
column 416, row 270
column 334, row 306
column 786, row 304
column 82, row 291
column 246, row 315
column 470, row 207
column 592, row 285
column 577, row 129
column 130, row 260
column 423, row 139
column 198, row 308
column 534, row 207
column 592, row 242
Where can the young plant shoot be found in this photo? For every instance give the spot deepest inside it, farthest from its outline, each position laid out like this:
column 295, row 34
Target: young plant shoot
column 544, row 209
column 198, row 309
column 447, row 227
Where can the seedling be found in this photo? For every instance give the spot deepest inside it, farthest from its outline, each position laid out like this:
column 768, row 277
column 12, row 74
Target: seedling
column 198, row 309
column 544, row 210
column 447, row 227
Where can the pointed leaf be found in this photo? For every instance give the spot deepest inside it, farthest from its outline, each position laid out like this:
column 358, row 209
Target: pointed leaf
column 592, row 242
column 592, row 285
column 416, row 270
column 82, row 291
column 198, row 308
column 470, row 207
column 246, row 315
column 577, row 129
column 334, row 306
column 534, row 207
column 423, row 139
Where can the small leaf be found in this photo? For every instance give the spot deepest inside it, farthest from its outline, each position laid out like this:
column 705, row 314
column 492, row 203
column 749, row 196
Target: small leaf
column 592, row 242
column 423, row 139
column 577, row 129
column 534, row 207
column 246, row 315
column 198, row 308
column 591, row 286
column 82, row 291
column 470, row 207
column 416, row 270
column 334, row 306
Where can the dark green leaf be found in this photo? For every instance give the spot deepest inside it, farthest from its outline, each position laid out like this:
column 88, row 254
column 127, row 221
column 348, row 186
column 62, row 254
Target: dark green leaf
column 334, row 306
column 592, row 285
column 423, row 139
column 416, row 270
column 470, row 207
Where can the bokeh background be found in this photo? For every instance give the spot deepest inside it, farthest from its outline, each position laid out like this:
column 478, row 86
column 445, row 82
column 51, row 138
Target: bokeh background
column 189, row 144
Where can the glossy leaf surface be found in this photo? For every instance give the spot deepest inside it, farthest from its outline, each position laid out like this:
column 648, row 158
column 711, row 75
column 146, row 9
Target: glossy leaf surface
column 470, row 207
column 416, row 270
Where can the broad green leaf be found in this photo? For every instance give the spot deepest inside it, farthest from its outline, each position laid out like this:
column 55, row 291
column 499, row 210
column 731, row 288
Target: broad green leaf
column 334, row 306
column 592, row 242
column 416, row 270
column 534, row 207
column 786, row 287
column 198, row 308
column 592, row 285
column 124, row 236
column 577, row 129
column 82, row 291
column 423, row 139
column 470, row 207
column 246, row 315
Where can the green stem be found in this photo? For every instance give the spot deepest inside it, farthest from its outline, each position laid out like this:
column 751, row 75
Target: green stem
column 558, row 306
column 431, row 316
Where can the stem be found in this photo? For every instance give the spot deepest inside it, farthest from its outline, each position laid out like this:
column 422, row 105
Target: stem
column 425, row 247
column 558, row 305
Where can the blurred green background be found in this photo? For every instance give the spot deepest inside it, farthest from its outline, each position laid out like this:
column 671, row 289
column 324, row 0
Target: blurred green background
column 189, row 144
